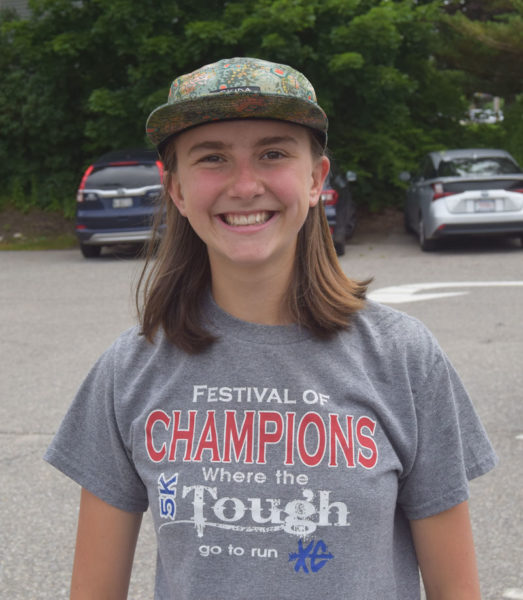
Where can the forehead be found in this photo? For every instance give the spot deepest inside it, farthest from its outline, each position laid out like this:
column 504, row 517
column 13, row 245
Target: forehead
column 241, row 132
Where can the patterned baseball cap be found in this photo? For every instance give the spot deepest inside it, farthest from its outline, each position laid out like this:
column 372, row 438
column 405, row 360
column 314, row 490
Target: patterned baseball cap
column 238, row 88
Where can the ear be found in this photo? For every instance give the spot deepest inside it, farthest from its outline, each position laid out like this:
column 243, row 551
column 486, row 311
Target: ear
column 320, row 170
column 175, row 192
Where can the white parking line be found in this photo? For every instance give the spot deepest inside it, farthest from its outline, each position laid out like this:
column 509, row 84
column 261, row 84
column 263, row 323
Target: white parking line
column 513, row 594
column 411, row 292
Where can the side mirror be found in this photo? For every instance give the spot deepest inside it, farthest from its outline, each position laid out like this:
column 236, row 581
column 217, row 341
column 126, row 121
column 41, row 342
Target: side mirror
column 351, row 176
column 404, row 176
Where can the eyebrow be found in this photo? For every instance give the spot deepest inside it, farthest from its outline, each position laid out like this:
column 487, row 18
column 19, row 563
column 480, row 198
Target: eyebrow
column 266, row 141
column 209, row 145
column 276, row 139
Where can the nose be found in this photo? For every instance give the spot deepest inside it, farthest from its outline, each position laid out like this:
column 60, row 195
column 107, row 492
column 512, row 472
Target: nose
column 245, row 183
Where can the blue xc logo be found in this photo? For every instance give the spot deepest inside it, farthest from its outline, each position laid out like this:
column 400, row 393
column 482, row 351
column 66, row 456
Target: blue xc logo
column 317, row 555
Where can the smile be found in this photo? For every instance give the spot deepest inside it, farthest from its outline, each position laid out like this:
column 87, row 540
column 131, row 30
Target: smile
column 238, row 220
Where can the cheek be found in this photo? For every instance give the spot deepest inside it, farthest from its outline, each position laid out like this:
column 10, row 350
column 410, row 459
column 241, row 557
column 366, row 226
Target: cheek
column 292, row 189
column 303, row 196
column 197, row 199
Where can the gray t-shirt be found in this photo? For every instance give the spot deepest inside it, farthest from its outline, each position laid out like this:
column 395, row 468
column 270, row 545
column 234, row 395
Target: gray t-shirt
column 277, row 465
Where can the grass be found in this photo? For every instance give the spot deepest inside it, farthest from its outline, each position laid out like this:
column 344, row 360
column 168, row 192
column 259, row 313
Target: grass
column 43, row 242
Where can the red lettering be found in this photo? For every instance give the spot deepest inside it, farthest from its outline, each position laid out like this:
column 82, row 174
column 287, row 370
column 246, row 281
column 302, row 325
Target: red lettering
column 289, row 448
column 239, row 440
column 268, row 437
column 208, row 439
column 366, row 442
column 347, row 440
column 312, row 419
column 337, row 437
column 154, row 417
column 186, row 435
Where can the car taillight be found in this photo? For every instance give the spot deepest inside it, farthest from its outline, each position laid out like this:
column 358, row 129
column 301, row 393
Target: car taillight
column 438, row 191
column 519, row 190
column 81, row 187
column 159, row 164
column 329, row 196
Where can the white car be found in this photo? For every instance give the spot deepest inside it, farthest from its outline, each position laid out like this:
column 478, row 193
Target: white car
column 487, row 115
column 464, row 192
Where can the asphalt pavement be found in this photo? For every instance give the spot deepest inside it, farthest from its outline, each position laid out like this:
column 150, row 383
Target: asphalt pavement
column 58, row 312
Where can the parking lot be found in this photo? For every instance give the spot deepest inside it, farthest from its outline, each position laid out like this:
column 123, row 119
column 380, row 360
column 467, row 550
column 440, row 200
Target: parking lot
column 60, row 311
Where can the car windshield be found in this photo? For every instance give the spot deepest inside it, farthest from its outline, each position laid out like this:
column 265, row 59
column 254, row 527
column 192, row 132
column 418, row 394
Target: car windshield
column 470, row 166
column 123, row 176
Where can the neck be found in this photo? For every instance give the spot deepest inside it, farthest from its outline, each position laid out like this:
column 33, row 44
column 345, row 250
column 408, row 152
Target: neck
column 253, row 294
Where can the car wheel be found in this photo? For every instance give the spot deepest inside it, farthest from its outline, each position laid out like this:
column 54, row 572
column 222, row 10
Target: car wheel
column 89, row 251
column 406, row 223
column 339, row 247
column 350, row 226
column 425, row 244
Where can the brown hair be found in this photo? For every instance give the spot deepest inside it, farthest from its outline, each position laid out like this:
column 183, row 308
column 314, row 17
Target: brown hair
column 176, row 277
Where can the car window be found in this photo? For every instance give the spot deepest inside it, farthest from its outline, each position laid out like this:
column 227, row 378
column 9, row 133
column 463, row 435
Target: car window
column 428, row 170
column 463, row 167
column 126, row 176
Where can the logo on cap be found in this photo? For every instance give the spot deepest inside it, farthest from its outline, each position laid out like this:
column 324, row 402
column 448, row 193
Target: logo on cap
column 248, row 89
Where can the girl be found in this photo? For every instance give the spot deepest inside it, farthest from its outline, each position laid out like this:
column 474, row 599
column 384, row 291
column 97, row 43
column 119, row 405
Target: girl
column 291, row 439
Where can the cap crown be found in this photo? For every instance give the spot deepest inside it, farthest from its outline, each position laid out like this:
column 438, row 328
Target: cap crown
column 242, row 75
column 237, row 88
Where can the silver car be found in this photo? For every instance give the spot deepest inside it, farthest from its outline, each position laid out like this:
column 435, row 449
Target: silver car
column 464, row 192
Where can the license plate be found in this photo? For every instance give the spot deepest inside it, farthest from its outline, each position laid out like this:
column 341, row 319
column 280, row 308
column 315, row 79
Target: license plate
column 485, row 206
column 122, row 202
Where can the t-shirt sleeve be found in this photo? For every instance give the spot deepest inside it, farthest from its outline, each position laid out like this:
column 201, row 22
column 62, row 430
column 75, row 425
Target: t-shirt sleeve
column 451, row 448
column 89, row 446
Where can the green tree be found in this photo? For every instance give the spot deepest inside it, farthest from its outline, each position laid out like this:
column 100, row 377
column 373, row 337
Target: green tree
column 484, row 40
column 79, row 78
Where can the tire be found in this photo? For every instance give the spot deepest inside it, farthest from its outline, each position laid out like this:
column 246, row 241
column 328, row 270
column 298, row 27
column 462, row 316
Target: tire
column 89, row 251
column 425, row 244
column 350, row 222
column 350, row 229
column 340, row 226
column 339, row 247
column 406, row 223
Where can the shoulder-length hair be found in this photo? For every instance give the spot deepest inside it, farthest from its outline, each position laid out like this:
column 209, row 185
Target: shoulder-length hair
column 176, row 277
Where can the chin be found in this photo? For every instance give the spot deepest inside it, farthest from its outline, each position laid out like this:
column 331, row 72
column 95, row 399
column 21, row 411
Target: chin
column 252, row 259
column 259, row 256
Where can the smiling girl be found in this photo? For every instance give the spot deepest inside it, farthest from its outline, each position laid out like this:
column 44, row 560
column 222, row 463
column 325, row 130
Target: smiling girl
column 291, row 438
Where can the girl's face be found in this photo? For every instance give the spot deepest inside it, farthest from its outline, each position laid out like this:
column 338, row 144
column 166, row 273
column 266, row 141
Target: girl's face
column 246, row 187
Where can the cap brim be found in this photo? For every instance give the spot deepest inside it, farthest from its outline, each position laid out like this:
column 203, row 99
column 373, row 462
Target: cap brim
column 169, row 119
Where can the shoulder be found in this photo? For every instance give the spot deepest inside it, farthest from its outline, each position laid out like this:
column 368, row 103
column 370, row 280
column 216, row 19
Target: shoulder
column 392, row 338
column 391, row 325
column 131, row 350
column 132, row 341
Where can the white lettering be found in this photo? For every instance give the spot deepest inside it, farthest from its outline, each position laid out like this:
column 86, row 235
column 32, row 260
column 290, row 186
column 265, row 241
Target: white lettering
column 300, row 517
column 224, row 475
column 198, row 390
column 238, row 509
column 242, row 394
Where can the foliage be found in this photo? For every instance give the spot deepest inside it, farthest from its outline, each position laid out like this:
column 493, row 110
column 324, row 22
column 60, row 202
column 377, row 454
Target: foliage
column 80, row 78
column 489, row 48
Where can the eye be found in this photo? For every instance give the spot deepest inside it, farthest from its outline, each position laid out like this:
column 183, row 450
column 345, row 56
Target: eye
column 273, row 154
column 210, row 158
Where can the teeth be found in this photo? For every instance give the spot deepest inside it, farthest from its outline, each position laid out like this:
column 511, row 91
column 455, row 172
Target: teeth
column 251, row 219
